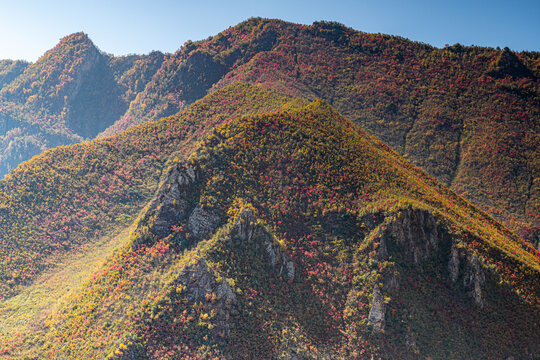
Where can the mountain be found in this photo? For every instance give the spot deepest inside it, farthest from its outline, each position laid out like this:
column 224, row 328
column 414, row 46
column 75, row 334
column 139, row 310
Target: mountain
column 61, row 199
column 254, row 225
column 71, row 93
column 440, row 108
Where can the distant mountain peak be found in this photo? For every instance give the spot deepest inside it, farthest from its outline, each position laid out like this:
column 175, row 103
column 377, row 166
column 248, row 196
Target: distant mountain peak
column 76, row 37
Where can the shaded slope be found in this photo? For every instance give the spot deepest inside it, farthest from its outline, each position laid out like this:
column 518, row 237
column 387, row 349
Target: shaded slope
column 438, row 107
column 71, row 93
column 297, row 234
column 9, row 70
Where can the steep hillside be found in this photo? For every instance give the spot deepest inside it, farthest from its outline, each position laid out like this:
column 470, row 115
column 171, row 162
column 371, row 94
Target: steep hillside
column 71, row 93
column 295, row 235
column 467, row 115
column 66, row 197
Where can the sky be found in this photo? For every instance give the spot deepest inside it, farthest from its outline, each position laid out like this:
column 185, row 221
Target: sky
column 28, row 28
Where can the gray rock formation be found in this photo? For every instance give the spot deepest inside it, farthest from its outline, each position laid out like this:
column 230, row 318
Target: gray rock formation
column 417, row 233
column 170, row 205
column 420, row 238
column 201, row 286
column 378, row 309
column 453, row 263
column 246, row 229
column 201, row 223
column 468, row 266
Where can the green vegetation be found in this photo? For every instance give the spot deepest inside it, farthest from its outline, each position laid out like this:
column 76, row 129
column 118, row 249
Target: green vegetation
column 71, row 93
column 228, row 210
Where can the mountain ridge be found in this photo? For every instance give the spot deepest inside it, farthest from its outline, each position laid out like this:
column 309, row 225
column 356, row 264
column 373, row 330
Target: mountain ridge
column 429, row 104
column 438, row 107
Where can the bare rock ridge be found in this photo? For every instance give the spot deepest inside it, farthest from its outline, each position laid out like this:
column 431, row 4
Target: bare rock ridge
column 378, row 309
column 177, row 204
column 414, row 233
column 172, row 203
column 469, row 266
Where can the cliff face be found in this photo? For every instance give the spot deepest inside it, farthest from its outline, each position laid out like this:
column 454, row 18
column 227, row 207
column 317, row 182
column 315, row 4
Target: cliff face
column 403, row 258
column 409, row 239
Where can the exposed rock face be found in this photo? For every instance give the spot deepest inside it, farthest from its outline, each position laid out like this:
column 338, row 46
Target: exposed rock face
column 378, row 309
column 278, row 259
column 171, row 205
column 420, row 238
column 200, row 286
column 468, row 266
column 453, row 263
column 202, row 223
column 246, row 229
column 416, row 231
column 474, row 277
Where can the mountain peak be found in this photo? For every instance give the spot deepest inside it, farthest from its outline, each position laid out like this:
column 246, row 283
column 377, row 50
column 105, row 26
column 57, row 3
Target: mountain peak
column 78, row 37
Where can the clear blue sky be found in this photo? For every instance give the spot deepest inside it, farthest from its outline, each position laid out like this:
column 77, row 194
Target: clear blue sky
column 30, row 27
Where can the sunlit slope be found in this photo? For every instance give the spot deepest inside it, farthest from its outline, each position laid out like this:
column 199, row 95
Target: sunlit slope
column 69, row 196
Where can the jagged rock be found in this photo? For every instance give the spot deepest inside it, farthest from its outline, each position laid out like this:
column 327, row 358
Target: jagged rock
column 462, row 263
column 278, row 258
column 246, row 229
column 171, row 205
column 378, row 309
column 417, row 232
column 202, row 223
column 474, row 277
column 453, row 263
column 200, row 286
column 420, row 238
column 289, row 266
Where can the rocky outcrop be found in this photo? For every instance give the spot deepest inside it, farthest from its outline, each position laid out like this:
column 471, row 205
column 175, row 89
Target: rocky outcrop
column 416, row 232
column 171, row 205
column 278, row 259
column 245, row 228
column 174, row 206
column 378, row 309
column 418, row 238
column 201, row 223
column 200, row 286
column 468, row 266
